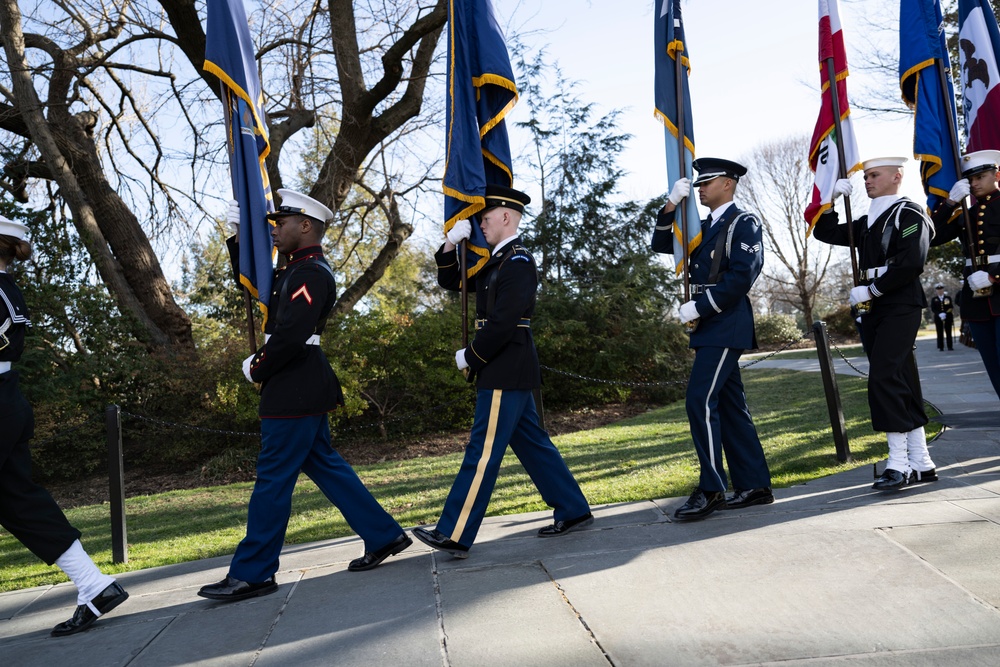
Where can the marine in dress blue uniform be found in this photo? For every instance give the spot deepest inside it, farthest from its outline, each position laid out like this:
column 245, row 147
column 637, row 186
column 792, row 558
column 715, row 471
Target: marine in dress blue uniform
column 892, row 242
column 979, row 177
column 716, row 402
column 297, row 390
column 27, row 510
column 503, row 358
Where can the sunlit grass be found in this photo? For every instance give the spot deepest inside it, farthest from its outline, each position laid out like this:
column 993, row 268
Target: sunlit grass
column 645, row 457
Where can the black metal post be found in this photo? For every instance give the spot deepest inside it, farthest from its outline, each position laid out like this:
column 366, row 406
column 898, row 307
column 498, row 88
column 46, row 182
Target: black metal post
column 116, row 484
column 832, row 393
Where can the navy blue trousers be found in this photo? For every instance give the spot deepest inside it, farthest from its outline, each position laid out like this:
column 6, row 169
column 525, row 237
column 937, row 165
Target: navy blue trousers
column 505, row 416
column 720, row 422
column 987, row 338
column 289, row 446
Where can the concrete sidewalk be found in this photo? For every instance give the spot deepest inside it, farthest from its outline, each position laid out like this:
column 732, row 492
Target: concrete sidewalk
column 831, row 574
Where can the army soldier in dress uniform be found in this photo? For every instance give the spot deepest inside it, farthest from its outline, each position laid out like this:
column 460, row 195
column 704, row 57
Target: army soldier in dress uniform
column 944, row 318
column 892, row 242
column 979, row 177
column 298, row 389
column 27, row 511
column 723, row 268
column 503, row 358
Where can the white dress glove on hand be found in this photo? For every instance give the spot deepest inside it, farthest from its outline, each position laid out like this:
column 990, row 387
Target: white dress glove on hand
column 233, row 216
column 688, row 312
column 959, row 191
column 459, row 232
column 942, row 316
column 246, row 367
column 979, row 280
column 842, row 187
column 460, row 360
column 681, row 189
column 860, row 294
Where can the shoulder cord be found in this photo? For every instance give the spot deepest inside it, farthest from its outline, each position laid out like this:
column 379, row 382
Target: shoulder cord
column 723, row 242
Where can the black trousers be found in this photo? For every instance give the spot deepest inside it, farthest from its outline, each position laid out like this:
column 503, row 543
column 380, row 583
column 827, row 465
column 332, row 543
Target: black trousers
column 894, row 395
column 944, row 327
column 27, row 510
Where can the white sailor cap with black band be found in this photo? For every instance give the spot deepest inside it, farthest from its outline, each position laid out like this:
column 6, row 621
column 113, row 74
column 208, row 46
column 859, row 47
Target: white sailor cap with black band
column 10, row 228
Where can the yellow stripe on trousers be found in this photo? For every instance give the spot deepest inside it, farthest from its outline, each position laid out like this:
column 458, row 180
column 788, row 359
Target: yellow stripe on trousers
column 484, row 459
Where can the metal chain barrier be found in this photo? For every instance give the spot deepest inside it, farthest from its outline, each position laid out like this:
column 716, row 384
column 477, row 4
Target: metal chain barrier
column 847, row 361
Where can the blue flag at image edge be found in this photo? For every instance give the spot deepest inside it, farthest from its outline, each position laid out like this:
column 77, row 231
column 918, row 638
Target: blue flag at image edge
column 480, row 93
column 669, row 44
column 229, row 55
column 922, row 51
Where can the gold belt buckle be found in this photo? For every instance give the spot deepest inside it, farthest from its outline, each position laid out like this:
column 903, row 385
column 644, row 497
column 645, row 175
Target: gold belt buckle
column 4, row 341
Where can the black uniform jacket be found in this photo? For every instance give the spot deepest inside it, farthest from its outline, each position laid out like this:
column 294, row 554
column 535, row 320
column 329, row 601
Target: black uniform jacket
column 941, row 305
column 908, row 232
column 13, row 406
column 502, row 354
column 295, row 376
column 984, row 216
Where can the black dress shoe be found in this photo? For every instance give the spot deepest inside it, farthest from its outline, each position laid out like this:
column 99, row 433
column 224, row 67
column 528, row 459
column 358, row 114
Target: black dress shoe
column 918, row 476
column 563, row 527
column 748, row 497
column 700, row 505
column 373, row 558
column 231, row 590
column 83, row 617
column 891, row 480
column 437, row 540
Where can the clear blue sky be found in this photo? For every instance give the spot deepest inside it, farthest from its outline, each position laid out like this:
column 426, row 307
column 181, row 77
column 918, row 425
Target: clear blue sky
column 754, row 73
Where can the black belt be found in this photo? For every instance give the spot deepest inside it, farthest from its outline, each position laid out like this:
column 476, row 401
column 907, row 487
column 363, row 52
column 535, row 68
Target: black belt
column 524, row 322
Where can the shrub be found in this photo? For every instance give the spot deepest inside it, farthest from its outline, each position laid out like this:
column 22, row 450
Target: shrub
column 776, row 330
column 840, row 322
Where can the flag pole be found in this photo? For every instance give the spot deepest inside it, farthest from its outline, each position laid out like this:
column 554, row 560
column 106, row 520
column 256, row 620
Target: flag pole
column 831, row 75
column 462, row 266
column 956, row 152
column 681, row 208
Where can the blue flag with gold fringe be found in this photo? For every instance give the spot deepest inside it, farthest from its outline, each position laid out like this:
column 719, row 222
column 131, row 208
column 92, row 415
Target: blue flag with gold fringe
column 923, row 57
column 229, row 55
column 480, row 93
column 673, row 108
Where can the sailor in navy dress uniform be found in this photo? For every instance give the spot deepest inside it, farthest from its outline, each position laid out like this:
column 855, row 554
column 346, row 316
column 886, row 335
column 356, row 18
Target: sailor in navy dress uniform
column 731, row 245
column 944, row 318
column 892, row 242
column 297, row 390
column 27, row 510
column 502, row 355
column 979, row 177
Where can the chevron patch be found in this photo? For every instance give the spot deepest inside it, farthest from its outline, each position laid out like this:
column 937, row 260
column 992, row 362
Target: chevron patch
column 909, row 230
column 302, row 291
column 752, row 249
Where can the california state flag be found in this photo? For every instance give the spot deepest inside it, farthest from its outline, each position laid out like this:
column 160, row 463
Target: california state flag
column 979, row 53
column 824, row 157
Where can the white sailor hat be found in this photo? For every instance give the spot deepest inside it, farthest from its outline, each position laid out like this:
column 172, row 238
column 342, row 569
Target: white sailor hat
column 296, row 203
column 883, row 162
column 973, row 163
column 11, row 228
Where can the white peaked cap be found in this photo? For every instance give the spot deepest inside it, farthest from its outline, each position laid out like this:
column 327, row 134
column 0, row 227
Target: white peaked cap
column 296, row 203
column 973, row 163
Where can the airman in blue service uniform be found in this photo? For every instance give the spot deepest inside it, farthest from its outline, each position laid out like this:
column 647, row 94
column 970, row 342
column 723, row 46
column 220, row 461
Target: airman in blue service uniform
column 722, row 270
column 892, row 242
column 502, row 355
column 979, row 177
column 27, row 510
column 297, row 390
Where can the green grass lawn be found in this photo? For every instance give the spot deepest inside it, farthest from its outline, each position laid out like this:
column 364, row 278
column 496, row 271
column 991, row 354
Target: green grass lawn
column 645, row 457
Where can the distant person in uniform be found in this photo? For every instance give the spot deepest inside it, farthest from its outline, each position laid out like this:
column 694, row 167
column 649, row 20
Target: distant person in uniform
column 503, row 358
column 27, row 511
column 980, row 312
column 892, row 242
column 297, row 390
column 944, row 318
column 722, row 270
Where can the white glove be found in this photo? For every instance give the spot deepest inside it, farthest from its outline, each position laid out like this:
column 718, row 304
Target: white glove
column 460, row 360
column 233, row 216
column 959, row 191
column 459, row 232
column 842, row 188
column 246, row 367
column 860, row 294
column 681, row 189
column 979, row 280
column 942, row 316
column 688, row 312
